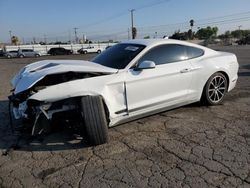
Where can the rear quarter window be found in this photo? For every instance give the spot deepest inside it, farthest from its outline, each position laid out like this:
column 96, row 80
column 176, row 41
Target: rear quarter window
column 193, row 52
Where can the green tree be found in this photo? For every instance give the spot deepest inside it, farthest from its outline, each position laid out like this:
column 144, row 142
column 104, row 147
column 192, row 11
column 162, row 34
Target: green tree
column 207, row 33
column 190, row 34
column 147, row 37
column 240, row 33
column 215, row 31
column 14, row 40
column 191, row 22
column 179, row 35
column 228, row 34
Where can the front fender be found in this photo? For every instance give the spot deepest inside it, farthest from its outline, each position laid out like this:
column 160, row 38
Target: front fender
column 110, row 88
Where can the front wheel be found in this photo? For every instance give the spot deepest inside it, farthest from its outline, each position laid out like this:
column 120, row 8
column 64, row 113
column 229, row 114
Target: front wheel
column 94, row 120
column 215, row 89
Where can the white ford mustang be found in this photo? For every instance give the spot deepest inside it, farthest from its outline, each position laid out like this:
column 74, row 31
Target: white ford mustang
column 127, row 81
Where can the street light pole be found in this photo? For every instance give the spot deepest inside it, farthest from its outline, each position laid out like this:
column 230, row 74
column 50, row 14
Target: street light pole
column 10, row 32
column 75, row 34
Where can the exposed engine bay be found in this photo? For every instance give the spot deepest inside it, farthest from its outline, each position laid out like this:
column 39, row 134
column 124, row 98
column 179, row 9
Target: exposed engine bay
column 40, row 113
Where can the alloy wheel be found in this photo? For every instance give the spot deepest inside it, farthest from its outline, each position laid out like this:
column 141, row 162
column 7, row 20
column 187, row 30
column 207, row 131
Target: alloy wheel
column 217, row 88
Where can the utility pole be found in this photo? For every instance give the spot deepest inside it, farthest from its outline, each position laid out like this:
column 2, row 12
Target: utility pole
column 132, row 21
column 45, row 39
column 128, row 34
column 239, row 31
column 10, row 32
column 75, row 29
column 69, row 36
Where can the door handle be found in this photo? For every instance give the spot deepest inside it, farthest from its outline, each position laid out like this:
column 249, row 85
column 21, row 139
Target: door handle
column 185, row 70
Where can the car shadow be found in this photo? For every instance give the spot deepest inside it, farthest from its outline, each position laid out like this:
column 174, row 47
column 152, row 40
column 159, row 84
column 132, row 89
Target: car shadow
column 18, row 137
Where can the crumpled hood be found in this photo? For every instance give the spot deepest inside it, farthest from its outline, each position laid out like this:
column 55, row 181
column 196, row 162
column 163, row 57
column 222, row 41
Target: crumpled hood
column 32, row 73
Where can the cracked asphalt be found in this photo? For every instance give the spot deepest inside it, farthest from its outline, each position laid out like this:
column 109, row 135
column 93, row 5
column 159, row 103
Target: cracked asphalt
column 192, row 146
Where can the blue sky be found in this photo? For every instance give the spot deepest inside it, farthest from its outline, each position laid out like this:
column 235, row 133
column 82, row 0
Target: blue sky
column 101, row 20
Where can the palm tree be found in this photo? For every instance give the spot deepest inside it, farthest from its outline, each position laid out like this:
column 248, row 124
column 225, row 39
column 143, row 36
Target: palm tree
column 191, row 30
column 191, row 24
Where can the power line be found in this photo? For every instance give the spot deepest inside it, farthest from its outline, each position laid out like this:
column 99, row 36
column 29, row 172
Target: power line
column 197, row 21
column 219, row 20
column 152, row 4
column 124, row 13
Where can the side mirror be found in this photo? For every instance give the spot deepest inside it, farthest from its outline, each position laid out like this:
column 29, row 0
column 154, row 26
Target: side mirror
column 145, row 65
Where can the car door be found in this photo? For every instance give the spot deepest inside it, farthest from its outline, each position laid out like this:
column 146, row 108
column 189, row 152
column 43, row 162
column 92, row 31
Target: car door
column 61, row 51
column 166, row 84
column 29, row 53
column 91, row 49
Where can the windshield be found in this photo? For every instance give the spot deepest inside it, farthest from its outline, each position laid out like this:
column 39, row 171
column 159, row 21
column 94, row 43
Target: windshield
column 119, row 55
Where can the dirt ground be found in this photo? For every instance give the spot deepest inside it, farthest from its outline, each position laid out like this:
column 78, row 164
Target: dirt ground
column 192, row 146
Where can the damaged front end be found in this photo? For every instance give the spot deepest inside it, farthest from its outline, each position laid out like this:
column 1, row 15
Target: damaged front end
column 39, row 76
column 39, row 114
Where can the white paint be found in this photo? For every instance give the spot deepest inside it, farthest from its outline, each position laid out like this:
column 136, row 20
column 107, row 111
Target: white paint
column 134, row 93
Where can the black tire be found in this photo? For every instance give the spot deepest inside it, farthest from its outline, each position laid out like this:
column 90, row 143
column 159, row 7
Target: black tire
column 21, row 56
column 94, row 120
column 99, row 51
column 215, row 89
column 8, row 56
column 37, row 55
column 84, row 52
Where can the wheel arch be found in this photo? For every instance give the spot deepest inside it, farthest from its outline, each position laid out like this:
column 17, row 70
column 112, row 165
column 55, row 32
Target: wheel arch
column 219, row 71
column 226, row 75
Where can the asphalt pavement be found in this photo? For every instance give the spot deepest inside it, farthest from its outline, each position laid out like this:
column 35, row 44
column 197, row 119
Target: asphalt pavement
column 192, row 146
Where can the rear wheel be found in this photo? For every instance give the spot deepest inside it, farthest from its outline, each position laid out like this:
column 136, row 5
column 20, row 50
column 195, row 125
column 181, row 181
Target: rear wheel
column 94, row 120
column 99, row 51
column 215, row 89
column 37, row 55
column 8, row 56
column 21, row 56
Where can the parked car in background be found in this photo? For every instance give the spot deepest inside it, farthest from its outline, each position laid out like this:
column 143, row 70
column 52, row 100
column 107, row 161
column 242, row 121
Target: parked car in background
column 11, row 54
column 59, row 51
column 244, row 41
column 89, row 49
column 127, row 81
column 27, row 53
column 1, row 53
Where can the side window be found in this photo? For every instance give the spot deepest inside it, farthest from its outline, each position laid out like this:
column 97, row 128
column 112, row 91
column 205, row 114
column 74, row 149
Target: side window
column 193, row 52
column 164, row 54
